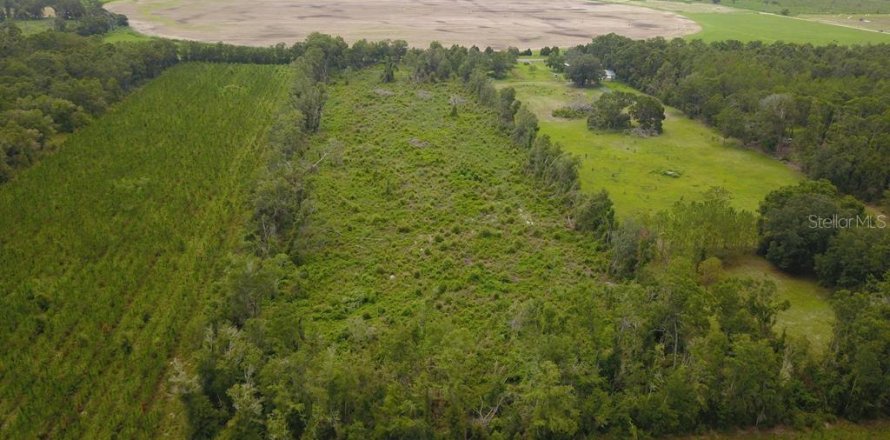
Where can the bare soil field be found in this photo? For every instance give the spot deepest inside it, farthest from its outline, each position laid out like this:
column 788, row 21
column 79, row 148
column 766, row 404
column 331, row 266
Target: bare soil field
column 495, row 23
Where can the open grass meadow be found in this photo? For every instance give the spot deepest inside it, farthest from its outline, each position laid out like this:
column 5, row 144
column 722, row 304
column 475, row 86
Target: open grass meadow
column 104, row 279
column 632, row 168
column 750, row 26
column 795, row 7
column 421, row 216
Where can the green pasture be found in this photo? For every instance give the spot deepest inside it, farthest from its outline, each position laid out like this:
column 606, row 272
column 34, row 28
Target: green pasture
column 751, row 26
column 633, row 168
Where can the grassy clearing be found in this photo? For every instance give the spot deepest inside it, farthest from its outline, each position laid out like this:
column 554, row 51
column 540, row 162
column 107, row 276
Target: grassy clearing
column 30, row 27
column 810, row 316
column 105, row 276
column 750, row 26
column 417, row 213
column 125, row 35
column 631, row 168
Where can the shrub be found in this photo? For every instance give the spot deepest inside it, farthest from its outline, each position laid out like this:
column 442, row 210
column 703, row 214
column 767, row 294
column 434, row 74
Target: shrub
column 595, row 213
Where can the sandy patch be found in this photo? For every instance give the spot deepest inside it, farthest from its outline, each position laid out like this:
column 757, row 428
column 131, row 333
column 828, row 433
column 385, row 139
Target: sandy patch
column 496, row 23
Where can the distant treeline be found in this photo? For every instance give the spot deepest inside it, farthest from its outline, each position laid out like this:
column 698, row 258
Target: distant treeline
column 826, row 107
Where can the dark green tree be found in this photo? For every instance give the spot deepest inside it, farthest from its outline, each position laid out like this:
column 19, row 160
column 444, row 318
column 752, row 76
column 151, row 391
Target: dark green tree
column 609, row 112
column 648, row 112
column 583, row 69
column 797, row 223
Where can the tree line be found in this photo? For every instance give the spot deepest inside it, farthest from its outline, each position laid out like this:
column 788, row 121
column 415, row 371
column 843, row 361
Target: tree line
column 824, row 107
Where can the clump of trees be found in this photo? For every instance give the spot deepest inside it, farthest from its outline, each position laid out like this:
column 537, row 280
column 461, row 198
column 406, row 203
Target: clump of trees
column 811, row 228
column 583, row 69
column 708, row 228
column 609, row 112
column 790, row 233
column 614, row 110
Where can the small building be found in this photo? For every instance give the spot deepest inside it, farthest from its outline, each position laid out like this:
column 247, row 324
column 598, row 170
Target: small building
column 609, row 75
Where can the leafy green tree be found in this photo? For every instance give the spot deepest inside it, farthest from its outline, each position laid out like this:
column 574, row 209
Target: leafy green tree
column 389, row 71
column 855, row 256
column 775, row 116
column 549, row 408
column 752, row 384
column 707, row 228
column 583, row 69
column 525, row 128
column 747, row 307
column 792, row 225
column 679, row 308
column 632, row 246
column 648, row 112
column 609, row 112
column 556, row 62
column 860, row 366
column 507, row 108
column 595, row 214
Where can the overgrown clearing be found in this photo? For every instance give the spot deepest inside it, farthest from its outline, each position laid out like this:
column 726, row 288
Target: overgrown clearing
column 105, row 277
column 430, row 216
column 633, row 168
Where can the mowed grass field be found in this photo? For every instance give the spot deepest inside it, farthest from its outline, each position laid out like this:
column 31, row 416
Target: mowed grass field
column 111, row 245
column 632, row 168
column 750, row 26
column 729, row 21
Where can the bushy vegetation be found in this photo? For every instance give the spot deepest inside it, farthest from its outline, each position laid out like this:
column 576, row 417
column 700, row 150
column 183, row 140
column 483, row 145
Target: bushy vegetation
column 614, row 110
column 111, row 248
column 826, row 107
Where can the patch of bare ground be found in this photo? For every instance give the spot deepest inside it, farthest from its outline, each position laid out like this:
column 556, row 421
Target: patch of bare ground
column 495, row 23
